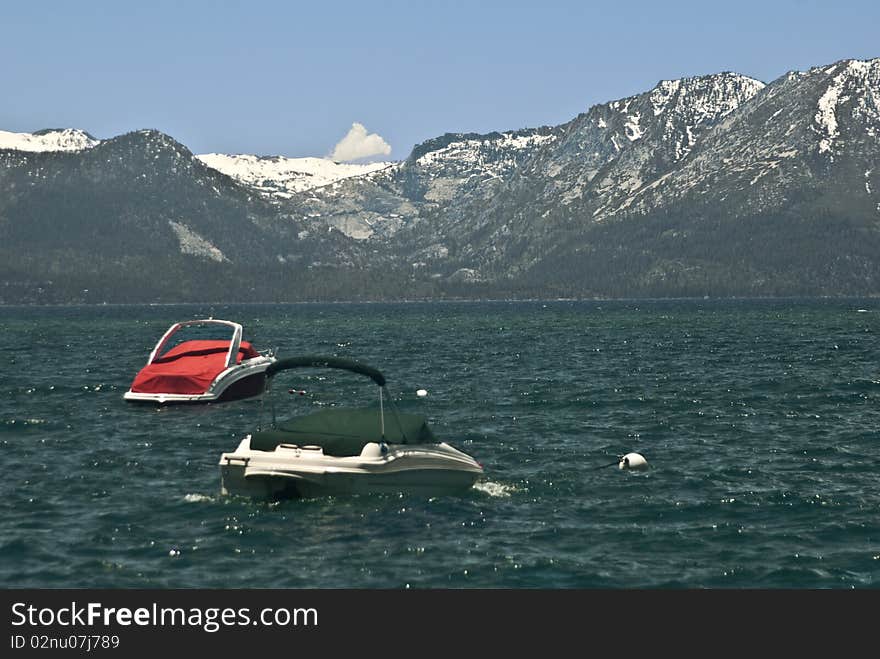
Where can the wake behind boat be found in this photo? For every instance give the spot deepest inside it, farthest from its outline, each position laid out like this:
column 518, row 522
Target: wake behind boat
column 345, row 451
column 191, row 365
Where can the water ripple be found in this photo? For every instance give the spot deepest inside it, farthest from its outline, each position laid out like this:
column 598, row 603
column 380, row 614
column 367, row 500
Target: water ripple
column 759, row 419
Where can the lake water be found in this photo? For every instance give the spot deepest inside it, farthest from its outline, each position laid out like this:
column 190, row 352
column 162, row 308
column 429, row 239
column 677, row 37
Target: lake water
column 760, row 420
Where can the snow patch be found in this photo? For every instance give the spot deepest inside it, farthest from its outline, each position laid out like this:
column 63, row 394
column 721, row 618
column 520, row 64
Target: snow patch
column 632, row 127
column 510, row 141
column 859, row 76
column 193, row 244
column 662, row 93
column 691, row 104
column 283, row 177
column 68, row 139
column 825, row 116
column 470, row 151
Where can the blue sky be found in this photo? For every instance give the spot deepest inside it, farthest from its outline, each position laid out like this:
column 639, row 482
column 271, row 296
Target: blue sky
column 290, row 78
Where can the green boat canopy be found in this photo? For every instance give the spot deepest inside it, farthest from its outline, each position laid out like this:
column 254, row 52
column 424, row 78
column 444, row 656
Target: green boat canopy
column 317, row 361
column 344, row 432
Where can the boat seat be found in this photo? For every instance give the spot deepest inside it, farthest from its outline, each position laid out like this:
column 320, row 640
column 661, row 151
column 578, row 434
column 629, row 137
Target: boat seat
column 344, row 432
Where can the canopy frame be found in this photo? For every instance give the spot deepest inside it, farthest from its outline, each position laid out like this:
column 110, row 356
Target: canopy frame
column 342, row 363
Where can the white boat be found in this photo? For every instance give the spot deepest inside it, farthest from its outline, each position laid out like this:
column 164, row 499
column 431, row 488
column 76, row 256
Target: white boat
column 190, row 364
column 345, row 451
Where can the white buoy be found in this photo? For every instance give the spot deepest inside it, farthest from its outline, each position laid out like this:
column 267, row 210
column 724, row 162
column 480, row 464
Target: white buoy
column 421, row 393
column 634, row 461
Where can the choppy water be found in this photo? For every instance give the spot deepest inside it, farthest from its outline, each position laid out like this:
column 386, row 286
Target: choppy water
column 759, row 418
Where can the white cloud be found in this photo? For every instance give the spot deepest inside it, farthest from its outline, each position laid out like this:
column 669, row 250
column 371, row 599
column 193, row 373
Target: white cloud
column 357, row 144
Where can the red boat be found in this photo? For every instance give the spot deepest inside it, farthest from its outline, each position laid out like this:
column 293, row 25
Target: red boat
column 201, row 369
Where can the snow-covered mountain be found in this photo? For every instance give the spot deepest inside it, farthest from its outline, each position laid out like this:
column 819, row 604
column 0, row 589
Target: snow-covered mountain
column 646, row 193
column 52, row 139
column 711, row 185
column 275, row 176
column 283, row 177
column 605, row 156
column 445, row 198
column 437, row 175
column 778, row 190
column 138, row 217
column 801, row 131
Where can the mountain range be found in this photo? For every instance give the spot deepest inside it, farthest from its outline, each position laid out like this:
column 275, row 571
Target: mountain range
column 716, row 185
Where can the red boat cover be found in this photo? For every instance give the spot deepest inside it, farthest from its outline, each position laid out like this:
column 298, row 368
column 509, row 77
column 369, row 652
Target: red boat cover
column 188, row 368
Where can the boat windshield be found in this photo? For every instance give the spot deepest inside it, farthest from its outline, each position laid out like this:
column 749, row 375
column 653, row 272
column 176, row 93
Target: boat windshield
column 200, row 338
column 204, row 335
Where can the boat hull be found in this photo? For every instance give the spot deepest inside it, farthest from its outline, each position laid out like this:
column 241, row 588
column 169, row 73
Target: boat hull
column 429, row 470
column 236, row 384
